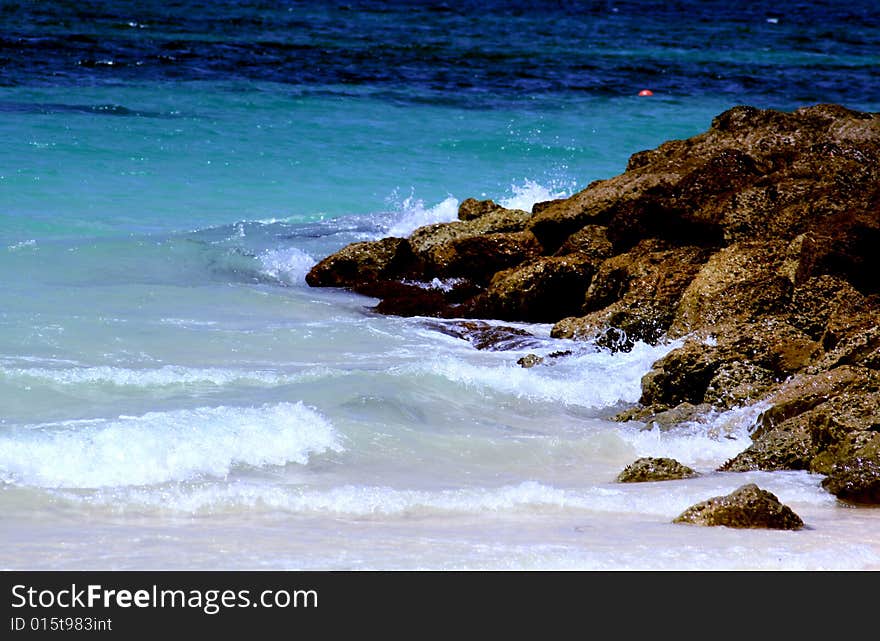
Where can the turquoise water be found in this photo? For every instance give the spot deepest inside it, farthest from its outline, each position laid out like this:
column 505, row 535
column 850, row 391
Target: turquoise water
column 172, row 394
column 182, row 157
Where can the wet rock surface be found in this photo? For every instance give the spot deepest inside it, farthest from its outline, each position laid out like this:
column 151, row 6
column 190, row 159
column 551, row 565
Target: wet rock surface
column 855, row 480
column 654, row 469
column 747, row 507
column 755, row 244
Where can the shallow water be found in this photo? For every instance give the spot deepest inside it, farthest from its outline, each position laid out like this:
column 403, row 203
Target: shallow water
column 172, row 394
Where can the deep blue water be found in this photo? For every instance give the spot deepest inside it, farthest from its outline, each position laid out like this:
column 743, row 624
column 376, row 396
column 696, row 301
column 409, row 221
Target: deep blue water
column 474, row 54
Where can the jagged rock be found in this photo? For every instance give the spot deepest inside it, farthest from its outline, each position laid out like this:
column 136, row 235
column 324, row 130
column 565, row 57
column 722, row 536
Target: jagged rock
column 541, row 206
column 471, row 208
column 636, row 292
column 754, row 242
column 788, row 447
column 851, row 339
column 738, row 383
column 842, row 441
column 655, row 469
column 855, row 480
column 747, row 507
column 540, row 290
column 479, row 257
column 753, row 175
column 493, row 222
column 363, row 262
column 682, row 376
column 813, row 421
column 422, row 299
column 738, row 283
column 742, row 362
column 591, row 240
column 615, row 339
column 807, row 391
column 817, row 299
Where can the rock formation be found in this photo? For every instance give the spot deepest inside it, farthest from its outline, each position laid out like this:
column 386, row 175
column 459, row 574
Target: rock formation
column 755, row 243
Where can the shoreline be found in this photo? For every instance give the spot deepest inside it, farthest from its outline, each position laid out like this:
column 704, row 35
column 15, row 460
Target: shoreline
column 751, row 243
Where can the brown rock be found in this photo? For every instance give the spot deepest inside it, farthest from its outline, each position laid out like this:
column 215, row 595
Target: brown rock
column 655, row 469
column 493, row 222
column 541, row 290
column 637, row 293
column 739, row 363
column 681, row 376
column 479, row 257
column 788, row 447
column 825, row 299
column 541, row 206
column 807, row 391
column 754, row 175
column 364, row 262
column 422, row 299
column 747, row 507
column 471, row 208
column 665, row 418
column 738, row 283
column 814, row 421
column 591, row 240
column 755, row 242
column 855, row 480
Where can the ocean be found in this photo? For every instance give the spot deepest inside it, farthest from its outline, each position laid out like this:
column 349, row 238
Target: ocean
column 174, row 396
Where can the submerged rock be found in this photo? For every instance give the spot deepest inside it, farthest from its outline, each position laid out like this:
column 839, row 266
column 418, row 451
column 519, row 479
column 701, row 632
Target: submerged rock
column 665, row 419
column 530, row 360
column 484, row 336
column 655, row 469
column 747, row 507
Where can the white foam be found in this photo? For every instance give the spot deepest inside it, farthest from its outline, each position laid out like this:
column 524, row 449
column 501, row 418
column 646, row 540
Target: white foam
column 414, row 214
column 597, row 379
column 167, row 375
column 530, row 192
column 288, row 265
column 705, row 444
column 444, row 285
column 662, row 500
column 163, row 446
column 348, row 500
column 22, row 244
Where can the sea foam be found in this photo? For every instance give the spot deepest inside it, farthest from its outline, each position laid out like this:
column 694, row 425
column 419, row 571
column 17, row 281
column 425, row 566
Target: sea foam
column 414, row 213
column 595, row 379
column 288, row 265
column 663, row 500
column 159, row 447
column 707, row 442
column 167, row 375
column 528, row 193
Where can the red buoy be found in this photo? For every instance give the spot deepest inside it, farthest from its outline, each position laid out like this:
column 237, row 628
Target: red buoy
column 646, row 92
